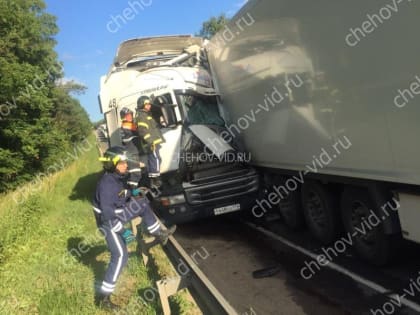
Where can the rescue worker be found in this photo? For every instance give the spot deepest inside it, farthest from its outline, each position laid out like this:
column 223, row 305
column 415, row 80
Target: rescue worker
column 131, row 142
column 149, row 130
column 114, row 206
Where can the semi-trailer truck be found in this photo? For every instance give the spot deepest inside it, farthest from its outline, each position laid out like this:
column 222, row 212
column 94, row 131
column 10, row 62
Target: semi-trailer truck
column 202, row 173
column 325, row 96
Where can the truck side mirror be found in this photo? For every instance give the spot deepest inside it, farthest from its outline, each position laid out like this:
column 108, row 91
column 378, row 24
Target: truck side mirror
column 168, row 112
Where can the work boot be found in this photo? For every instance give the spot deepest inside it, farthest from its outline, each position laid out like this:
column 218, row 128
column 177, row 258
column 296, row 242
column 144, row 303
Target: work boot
column 154, row 192
column 156, row 182
column 163, row 235
column 104, row 302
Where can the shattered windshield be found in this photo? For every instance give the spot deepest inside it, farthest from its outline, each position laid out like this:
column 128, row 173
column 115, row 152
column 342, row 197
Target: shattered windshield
column 201, row 110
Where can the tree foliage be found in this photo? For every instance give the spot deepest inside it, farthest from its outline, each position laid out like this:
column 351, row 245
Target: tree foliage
column 72, row 86
column 215, row 24
column 39, row 120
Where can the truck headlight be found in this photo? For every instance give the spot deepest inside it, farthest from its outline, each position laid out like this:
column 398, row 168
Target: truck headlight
column 172, row 200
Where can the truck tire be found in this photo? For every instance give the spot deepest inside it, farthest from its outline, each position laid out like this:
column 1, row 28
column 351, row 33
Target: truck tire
column 321, row 212
column 362, row 221
column 290, row 209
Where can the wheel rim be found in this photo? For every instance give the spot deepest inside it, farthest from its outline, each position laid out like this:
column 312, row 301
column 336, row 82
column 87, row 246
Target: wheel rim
column 316, row 210
column 359, row 214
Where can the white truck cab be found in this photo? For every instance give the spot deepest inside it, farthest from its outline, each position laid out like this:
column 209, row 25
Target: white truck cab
column 203, row 172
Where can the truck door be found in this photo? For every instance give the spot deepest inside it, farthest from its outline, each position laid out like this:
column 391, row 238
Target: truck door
column 164, row 111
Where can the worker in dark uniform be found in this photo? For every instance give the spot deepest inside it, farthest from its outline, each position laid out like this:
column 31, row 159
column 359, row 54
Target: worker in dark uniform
column 131, row 142
column 114, row 206
column 149, row 130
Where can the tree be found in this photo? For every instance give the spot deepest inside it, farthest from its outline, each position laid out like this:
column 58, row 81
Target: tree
column 212, row 26
column 72, row 86
column 34, row 132
column 70, row 116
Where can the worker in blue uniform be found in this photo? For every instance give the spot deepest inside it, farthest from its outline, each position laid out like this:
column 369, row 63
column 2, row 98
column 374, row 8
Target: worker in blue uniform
column 113, row 206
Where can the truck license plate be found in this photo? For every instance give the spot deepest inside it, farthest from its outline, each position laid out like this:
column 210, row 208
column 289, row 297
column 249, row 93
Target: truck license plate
column 227, row 209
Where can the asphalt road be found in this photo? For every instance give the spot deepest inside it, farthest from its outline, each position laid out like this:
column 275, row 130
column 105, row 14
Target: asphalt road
column 229, row 252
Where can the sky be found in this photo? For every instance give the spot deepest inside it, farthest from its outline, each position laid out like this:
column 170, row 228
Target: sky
column 91, row 31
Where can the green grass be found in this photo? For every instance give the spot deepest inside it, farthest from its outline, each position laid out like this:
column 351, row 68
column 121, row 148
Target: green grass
column 51, row 253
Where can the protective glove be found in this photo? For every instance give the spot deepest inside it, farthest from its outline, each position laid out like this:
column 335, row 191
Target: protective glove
column 128, row 236
column 135, row 192
column 141, row 191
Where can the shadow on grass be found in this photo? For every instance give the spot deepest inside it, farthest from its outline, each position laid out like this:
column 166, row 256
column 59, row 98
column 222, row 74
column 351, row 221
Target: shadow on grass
column 87, row 254
column 85, row 187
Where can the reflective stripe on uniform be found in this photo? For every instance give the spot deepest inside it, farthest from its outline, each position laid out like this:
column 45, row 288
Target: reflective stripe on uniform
column 108, row 285
column 154, row 227
column 97, row 210
column 143, row 125
column 129, row 139
column 147, row 136
column 120, row 258
column 108, row 288
column 118, row 227
column 135, row 170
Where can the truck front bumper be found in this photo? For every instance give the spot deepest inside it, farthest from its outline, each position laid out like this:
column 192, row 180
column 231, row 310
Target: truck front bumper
column 213, row 196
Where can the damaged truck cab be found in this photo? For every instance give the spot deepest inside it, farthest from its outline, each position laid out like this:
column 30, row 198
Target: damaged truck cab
column 203, row 171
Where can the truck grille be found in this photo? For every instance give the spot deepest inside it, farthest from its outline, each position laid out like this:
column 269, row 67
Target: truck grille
column 222, row 186
column 226, row 173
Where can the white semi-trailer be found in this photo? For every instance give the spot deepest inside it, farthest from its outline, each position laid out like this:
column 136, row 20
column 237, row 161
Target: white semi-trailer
column 325, row 95
column 203, row 174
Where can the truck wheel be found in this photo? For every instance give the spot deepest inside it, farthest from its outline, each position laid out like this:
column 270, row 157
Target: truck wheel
column 290, row 209
column 361, row 221
column 320, row 209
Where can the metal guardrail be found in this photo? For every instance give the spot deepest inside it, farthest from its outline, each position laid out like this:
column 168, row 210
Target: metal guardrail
column 208, row 298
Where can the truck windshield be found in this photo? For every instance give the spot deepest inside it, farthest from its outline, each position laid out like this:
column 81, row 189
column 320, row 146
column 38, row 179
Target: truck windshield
column 201, row 110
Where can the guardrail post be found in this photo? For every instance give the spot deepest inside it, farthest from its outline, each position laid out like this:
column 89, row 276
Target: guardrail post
column 168, row 287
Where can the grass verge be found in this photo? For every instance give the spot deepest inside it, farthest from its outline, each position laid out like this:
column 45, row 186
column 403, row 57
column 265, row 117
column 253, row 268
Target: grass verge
column 51, row 254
